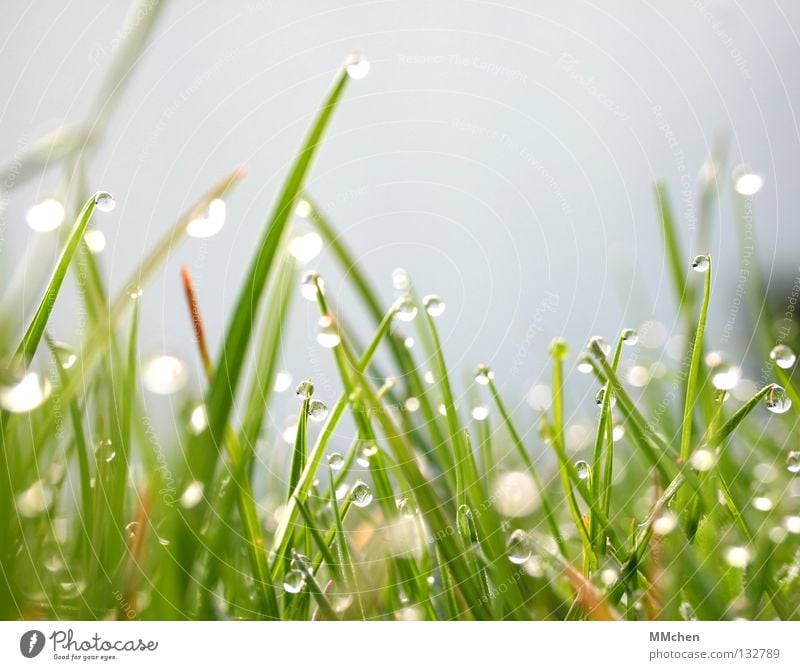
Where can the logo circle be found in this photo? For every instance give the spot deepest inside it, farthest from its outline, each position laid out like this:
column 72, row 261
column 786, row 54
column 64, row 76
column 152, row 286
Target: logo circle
column 31, row 643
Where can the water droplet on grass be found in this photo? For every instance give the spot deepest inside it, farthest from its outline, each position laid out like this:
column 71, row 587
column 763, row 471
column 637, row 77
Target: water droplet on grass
column 357, row 67
column 600, row 397
column 793, row 462
column 484, row 374
column 434, row 305
column 400, row 279
column 317, row 410
column 700, row 263
column 518, row 547
column 366, row 451
column 777, row 401
column 309, row 286
column 104, row 201
column 46, row 215
column 583, row 469
column 763, row 504
column 783, row 356
column 327, row 333
column 66, row 356
column 617, row 432
column 601, row 342
column 293, row 581
column 629, row 337
column 210, row 223
column 584, row 364
column 406, row 309
column 361, row 494
column 164, row 374
column 336, row 461
column 687, row 612
column 305, row 389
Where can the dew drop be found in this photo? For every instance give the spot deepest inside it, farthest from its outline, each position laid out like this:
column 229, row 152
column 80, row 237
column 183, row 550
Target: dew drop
column 746, row 181
column 46, row 215
column 25, row 394
column 630, row 337
column 283, row 380
column 134, row 291
column 783, row 356
column 412, row 404
column 700, row 263
column 305, row 247
column 584, row 364
column 600, row 397
column 104, row 201
column 305, row 389
column 311, row 285
column 777, row 401
column 293, row 581
column 361, row 494
column 703, row 460
column 327, row 333
column 132, row 529
column 406, row 309
column 583, row 469
column 317, row 410
column 559, row 349
column 408, row 342
column 400, row 279
column 65, row 355
column 600, row 342
column 484, row 374
column 336, row 461
column 366, row 451
column 687, row 612
column 429, row 378
column 164, row 374
column 434, row 305
column 192, row 495
column 357, row 67
column 518, row 547
column 95, row 240
column 793, row 462
column 617, row 432
column 480, row 413
column 210, row 223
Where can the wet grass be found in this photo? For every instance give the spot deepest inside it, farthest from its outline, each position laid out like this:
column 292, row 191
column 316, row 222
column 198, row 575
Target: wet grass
column 667, row 511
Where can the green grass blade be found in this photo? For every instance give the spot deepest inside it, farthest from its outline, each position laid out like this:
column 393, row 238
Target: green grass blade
column 694, row 368
column 33, row 335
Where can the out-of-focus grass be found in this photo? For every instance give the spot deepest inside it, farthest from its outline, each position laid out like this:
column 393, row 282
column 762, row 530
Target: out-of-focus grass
column 681, row 510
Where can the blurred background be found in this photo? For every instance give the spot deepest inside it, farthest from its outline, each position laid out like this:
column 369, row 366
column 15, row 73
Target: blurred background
column 504, row 153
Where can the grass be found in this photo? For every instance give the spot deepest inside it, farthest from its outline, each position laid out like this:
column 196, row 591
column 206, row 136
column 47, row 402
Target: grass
column 680, row 510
